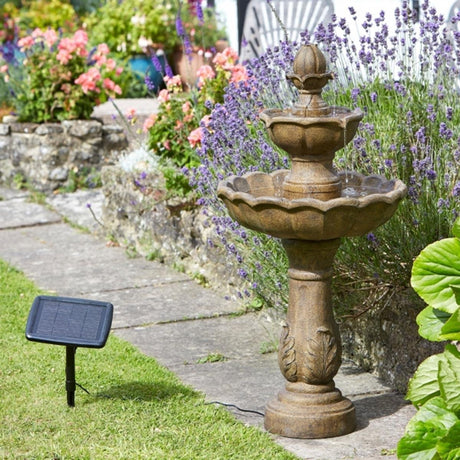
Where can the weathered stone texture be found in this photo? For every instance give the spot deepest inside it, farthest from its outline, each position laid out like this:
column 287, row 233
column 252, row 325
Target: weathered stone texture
column 45, row 154
column 138, row 214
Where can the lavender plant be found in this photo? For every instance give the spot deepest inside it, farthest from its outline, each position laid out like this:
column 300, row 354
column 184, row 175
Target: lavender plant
column 406, row 80
column 235, row 142
column 407, row 83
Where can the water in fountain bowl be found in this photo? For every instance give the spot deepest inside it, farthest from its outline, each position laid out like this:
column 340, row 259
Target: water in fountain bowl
column 256, row 201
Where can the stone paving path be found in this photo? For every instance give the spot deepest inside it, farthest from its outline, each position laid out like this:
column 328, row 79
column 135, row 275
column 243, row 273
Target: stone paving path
column 170, row 317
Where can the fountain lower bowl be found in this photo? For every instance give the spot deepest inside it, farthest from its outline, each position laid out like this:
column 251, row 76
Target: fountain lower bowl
column 255, row 200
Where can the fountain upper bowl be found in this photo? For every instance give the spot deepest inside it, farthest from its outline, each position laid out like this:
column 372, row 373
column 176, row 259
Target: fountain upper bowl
column 255, row 200
column 299, row 134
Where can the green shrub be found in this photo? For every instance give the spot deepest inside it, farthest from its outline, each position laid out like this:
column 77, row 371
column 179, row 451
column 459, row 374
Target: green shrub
column 434, row 432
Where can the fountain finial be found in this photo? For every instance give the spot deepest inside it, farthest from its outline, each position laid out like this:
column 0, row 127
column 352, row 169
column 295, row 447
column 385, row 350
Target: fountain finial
column 310, row 75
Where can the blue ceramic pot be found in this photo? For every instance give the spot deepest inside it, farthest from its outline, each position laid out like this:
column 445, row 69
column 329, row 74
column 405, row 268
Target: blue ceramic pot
column 142, row 65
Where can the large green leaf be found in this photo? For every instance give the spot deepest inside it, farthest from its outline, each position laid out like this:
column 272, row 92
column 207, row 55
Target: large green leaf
column 449, row 378
column 435, row 271
column 435, row 410
column 456, row 228
column 449, row 446
column 430, row 425
column 431, row 321
column 424, row 384
column 451, row 330
column 456, row 290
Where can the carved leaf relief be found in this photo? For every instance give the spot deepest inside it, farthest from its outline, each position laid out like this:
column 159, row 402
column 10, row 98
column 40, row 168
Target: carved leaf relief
column 322, row 357
column 287, row 356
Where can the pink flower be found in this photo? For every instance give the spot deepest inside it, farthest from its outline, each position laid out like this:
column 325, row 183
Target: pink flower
column 111, row 86
column 163, row 96
column 227, row 59
column 149, row 122
column 110, row 64
column 186, row 107
column 80, row 38
column 204, row 73
column 239, row 73
column 103, row 49
column 94, row 74
column 195, row 137
column 4, row 68
column 25, row 43
column 88, row 80
column 172, row 82
column 131, row 113
column 67, row 44
column 50, row 37
column 220, row 60
column 37, row 33
column 64, row 56
column 230, row 54
column 100, row 59
column 119, row 71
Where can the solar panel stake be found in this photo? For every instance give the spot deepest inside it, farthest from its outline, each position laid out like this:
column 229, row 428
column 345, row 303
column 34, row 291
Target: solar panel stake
column 72, row 323
column 70, row 384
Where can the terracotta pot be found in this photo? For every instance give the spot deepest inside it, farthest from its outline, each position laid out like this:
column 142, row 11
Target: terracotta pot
column 187, row 66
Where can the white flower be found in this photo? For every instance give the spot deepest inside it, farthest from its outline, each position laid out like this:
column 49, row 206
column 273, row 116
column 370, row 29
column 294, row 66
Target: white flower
column 140, row 159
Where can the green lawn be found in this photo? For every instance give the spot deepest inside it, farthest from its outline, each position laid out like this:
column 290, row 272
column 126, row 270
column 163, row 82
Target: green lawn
column 136, row 409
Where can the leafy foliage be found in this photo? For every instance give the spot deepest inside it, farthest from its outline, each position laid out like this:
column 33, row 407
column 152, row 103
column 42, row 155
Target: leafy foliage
column 404, row 76
column 176, row 129
column 434, row 432
column 57, row 78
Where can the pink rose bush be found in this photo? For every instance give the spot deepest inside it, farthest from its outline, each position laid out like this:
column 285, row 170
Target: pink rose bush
column 180, row 113
column 64, row 79
column 176, row 130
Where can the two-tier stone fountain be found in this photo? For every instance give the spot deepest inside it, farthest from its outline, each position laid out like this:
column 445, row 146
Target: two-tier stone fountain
column 310, row 207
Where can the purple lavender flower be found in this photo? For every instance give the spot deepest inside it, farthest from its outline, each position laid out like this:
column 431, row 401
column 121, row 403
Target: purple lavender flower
column 156, row 63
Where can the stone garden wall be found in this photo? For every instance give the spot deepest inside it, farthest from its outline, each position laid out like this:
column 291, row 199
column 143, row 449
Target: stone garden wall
column 138, row 214
column 46, row 155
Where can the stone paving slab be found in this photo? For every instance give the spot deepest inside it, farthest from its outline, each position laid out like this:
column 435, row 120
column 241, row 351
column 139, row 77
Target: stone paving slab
column 175, row 301
column 74, row 206
column 72, row 263
column 11, row 193
column 15, row 213
column 233, row 337
column 249, row 384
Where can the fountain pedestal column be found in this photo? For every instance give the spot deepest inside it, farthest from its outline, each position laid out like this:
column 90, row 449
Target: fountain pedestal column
column 310, row 350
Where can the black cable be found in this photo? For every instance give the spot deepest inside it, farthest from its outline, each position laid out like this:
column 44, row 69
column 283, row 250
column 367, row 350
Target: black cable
column 83, row 388
column 236, row 407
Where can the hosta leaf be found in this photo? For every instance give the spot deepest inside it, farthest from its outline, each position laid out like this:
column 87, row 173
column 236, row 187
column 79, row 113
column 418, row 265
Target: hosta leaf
column 456, row 228
column 431, row 321
column 435, row 410
column 451, row 330
column 435, row 271
column 449, row 446
column 456, row 290
column 423, row 432
column 424, row 384
column 449, row 378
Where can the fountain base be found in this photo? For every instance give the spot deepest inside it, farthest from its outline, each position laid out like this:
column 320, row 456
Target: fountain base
column 309, row 412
